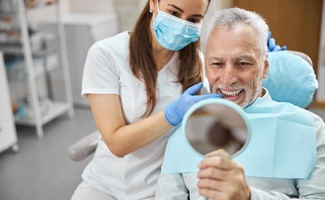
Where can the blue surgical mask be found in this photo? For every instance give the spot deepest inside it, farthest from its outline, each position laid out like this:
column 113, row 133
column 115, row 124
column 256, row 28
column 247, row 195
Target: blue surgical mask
column 174, row 33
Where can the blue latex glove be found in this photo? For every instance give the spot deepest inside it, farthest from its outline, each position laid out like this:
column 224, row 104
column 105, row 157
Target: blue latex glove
column 175, row 111
column 272, row 46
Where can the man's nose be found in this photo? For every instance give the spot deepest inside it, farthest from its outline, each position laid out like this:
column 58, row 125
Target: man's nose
column 229, row 75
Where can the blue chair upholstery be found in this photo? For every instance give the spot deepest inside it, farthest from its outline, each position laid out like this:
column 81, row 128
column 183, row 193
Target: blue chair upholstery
column 291, row 78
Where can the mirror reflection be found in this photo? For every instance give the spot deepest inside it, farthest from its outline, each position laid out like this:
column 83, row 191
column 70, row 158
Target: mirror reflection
column 216, row 126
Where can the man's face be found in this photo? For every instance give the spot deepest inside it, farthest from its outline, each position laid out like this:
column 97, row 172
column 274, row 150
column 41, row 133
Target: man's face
column 234, row 66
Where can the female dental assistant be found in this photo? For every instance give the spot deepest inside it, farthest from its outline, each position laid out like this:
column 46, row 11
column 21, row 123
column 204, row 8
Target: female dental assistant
column 139, row 85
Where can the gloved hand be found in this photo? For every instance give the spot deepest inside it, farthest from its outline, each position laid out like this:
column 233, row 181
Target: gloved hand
column 272, row 46
column 175, row 111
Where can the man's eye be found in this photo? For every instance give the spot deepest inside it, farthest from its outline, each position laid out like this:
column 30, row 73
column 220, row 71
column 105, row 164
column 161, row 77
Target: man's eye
column 243, row 64
column 217, row 64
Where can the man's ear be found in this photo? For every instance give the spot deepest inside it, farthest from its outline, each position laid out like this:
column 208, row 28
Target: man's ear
column 266, row 66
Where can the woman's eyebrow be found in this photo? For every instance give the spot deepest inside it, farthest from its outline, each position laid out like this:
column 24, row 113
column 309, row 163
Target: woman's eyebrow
column 182, row 11
column 174, row 6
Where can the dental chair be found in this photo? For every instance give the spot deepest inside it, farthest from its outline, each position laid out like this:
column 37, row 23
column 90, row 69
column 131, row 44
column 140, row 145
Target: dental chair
column 291, row 79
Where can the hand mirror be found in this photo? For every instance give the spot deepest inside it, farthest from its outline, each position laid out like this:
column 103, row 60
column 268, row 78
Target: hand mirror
column 214, row 124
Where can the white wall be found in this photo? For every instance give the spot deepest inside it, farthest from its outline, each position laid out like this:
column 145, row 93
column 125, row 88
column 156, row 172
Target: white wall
column 92, row 5
column 225, row 4
column 127, row 10
column 320, row 95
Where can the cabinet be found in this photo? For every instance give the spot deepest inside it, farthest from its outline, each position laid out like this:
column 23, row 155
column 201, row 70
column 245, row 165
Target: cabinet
column 8, row 136
column 87, row 27
column 35, row 61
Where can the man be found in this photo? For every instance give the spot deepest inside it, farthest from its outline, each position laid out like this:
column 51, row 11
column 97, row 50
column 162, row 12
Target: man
column 236, row 62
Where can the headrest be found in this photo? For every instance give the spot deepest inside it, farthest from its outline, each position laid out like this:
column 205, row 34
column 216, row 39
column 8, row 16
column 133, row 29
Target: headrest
column 290, row 79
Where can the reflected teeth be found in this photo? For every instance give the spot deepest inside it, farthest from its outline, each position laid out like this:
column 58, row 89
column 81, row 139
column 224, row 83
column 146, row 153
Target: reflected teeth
column 232, row 93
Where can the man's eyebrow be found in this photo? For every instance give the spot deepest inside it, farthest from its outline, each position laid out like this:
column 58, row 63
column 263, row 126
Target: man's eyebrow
column 245, row 57
column 214, row 58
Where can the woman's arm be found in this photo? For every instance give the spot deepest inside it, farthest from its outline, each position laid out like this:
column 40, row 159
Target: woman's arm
column 121, row 138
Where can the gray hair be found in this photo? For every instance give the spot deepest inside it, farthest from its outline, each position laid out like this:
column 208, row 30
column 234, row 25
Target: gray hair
column 230, row 17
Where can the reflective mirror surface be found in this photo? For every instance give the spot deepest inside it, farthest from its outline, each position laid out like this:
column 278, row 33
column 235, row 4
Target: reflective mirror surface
column 217, row 124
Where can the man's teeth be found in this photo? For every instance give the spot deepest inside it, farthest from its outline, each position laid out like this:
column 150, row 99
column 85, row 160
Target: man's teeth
column 232, row 93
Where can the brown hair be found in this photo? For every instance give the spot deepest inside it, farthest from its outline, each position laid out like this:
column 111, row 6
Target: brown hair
column 144, row 68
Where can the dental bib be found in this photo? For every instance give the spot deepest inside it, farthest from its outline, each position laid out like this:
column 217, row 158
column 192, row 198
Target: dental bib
column 282, row 144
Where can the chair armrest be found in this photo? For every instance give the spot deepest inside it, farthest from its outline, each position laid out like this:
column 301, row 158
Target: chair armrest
column 84, row 147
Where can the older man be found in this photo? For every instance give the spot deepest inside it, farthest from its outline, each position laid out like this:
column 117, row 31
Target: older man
column 236, row 61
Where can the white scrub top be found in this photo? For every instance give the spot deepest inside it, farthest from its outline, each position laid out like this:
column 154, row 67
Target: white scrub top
column 107, row 71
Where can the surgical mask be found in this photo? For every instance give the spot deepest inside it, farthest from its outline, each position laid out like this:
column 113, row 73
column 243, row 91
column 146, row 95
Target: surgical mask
column 174, row 33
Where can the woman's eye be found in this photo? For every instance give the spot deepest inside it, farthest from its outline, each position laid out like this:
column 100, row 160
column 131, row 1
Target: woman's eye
column 195, row 21
column 174, row 13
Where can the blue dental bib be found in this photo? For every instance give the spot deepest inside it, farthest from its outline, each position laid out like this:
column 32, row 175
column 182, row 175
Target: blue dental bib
column 282, row 144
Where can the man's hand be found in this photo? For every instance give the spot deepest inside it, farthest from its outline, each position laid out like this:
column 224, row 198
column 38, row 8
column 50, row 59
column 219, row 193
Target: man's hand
column 221, row 178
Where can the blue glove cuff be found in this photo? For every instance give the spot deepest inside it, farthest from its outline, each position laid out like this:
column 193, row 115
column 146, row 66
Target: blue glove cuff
column 174, row 119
